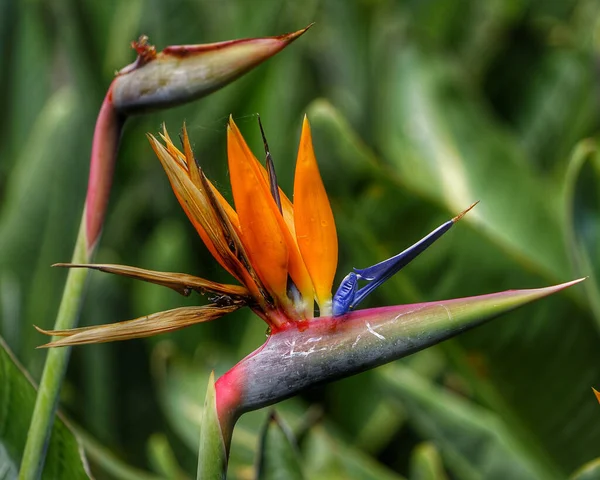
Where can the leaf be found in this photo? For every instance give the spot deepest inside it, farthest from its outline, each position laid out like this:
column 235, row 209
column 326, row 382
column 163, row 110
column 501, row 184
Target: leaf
column 31, row 219
column 279, row 457
column 582, row 227
column 163, row 457
column 65, row 458
column 426, row 464
column 327, row 457
column 439, row 137
column 474, row 442
column 555, row 111
column 109, row 463
column 589, row 471
column 212, row 457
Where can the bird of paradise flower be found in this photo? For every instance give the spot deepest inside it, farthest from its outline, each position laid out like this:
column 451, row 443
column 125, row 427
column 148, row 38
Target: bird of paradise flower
column 284, row 254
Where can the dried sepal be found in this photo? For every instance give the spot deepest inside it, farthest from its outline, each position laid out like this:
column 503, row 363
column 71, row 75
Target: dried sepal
column 200, row 212
column 147, row 326
column 182, row 283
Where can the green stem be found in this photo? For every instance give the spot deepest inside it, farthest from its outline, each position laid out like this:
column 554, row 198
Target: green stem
column 55, row 366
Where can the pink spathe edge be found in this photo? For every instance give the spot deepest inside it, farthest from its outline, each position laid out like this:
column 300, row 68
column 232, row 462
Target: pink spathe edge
column 184, row 50
column 107, row 134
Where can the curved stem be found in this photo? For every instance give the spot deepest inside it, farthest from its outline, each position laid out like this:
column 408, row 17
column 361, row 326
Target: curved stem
column 104, row 152
column 54, row 368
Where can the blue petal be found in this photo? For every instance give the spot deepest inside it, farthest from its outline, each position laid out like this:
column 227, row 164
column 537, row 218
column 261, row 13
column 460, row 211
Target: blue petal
column 344, row 297
column 377, row 274
column 348, row 295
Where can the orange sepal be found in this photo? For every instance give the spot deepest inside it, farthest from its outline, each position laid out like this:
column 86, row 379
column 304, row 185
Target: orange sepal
column 315, row 225
column 286, row 204
column 261, row 233
column 182, row 283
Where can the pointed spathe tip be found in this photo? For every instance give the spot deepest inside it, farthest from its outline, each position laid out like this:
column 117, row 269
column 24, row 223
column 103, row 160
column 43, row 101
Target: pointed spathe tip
column 464, row 212
column 182, row 73
column 290, row 37
column 571, row 283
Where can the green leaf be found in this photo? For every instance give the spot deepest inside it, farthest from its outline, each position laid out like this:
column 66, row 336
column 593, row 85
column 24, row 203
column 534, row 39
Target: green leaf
column 475, row 442
column 163, row 458
column 109, row 463
column 30, row 212
column 438, row 136
column 328, row 457
column 555, row 111
column 426, row 464
column 582, row 224
column 212, row 456
column 590, row 471
column 65, row 457
column 278, row 454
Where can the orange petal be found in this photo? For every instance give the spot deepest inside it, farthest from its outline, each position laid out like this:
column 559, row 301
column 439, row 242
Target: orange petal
column 261, row 233
column 296, row 268
column 147, row 326
column 315, row 225
column 597, row 393
column 286, row 204
column 180, row 282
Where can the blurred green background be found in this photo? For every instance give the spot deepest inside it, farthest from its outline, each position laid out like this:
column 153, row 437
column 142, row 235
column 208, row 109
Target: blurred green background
column 418, row 108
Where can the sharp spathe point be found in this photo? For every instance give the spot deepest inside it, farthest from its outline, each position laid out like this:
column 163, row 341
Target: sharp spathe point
column 464, row 212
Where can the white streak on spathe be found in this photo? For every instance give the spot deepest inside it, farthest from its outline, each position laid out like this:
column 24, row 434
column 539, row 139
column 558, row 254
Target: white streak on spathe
column 312, row 340
column 447, row 311
column 291, row 344
column 355, row 341
column 408, row 312
column 371, row 330
column 292, row 353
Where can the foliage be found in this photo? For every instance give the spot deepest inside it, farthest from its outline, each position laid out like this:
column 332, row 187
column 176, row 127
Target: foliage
column 417, row 109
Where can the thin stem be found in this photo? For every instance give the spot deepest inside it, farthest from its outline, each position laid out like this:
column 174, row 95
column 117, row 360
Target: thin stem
column 55, row 366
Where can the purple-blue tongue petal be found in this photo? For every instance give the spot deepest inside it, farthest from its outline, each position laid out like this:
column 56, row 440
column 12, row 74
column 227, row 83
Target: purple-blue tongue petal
column 377, row 274
column 348, row 296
